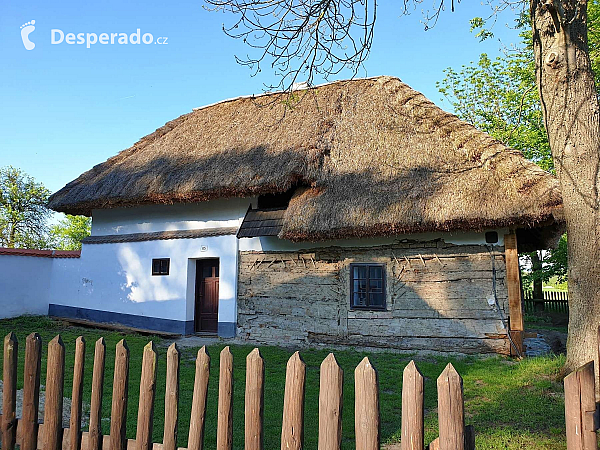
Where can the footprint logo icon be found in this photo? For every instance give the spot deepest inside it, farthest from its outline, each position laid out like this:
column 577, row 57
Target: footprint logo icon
column 26, row 30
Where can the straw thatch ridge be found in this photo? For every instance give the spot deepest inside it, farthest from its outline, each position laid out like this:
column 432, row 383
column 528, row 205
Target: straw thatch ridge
column 372, row 157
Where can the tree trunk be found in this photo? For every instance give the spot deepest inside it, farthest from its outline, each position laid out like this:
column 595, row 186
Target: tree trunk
column 538, row 291
column 572, row 118
column 12, row 236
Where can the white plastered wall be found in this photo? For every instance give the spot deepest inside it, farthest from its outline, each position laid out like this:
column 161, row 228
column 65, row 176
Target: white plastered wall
column 116, row 277
column 153, row 218
column 24, row 285
column 457, row 238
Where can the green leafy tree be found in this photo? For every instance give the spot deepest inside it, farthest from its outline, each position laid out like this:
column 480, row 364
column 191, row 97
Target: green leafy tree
column 499, row 97
column 70, row 231
column 546, row 266
column 23, row 211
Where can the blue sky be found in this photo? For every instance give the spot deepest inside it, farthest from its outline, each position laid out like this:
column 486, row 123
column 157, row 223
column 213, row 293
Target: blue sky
column 65, row 108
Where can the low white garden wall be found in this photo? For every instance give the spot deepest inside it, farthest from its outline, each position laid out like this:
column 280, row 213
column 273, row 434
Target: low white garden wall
column 26, row 277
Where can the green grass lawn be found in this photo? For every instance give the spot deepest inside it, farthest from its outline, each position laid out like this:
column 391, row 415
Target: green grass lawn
column 512, row 405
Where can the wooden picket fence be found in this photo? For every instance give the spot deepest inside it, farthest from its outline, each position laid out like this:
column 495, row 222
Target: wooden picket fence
column 582, row 412
column 453, row 435
column 581, row 409
column 553, row 302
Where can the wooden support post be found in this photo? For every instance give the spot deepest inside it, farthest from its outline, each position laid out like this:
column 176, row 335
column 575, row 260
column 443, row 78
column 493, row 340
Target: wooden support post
column 143, row 435
column 413, row 418
column 292, row 428
column 515, row 306
column 118, row 417
column 31, row 392
column 597, row 367
column 330, row 404
column 225, row 413
column 254, row 405
column 9, row 393
column 580, row 409
column 76, row 396
column 171, row 399
column 366, row 408
column 95, row 433
column 53, row 410
column 451, row 410
column 196, row 435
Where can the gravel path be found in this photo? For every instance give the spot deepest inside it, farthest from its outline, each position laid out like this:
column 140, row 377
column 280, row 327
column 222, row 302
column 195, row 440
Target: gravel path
column 537, row 346
column 546, row 342
column 194, row 341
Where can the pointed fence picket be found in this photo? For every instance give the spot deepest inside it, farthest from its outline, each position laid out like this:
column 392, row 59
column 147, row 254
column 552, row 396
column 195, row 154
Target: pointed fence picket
column 292, row 428
column 50, row 435
column 225, row 413
column 146, row 404
column 9, row 394
column 31, row 392
column 55, row 376
column 330, row 404
column 366, row 406
column 118, row 416
column 254, row 406
column 413, row 409
column 95, row 433
column 196, row 435
column 171, row 399
column 76, row 396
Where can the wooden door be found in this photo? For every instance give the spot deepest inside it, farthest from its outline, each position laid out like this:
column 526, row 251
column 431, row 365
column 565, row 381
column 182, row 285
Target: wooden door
column 207, row 295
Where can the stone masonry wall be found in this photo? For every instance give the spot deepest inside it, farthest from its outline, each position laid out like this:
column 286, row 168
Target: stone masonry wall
column 438, row 297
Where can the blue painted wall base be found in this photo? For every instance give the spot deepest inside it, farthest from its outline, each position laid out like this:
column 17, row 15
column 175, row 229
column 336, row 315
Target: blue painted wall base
column 129, row 320
column 226, row 329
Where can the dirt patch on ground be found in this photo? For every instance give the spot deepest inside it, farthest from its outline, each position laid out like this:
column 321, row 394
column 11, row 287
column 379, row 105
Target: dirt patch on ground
column 556, row 340
column 66, row 407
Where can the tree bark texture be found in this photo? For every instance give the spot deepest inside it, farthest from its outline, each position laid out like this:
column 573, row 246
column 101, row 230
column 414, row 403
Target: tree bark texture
column 572, row 118
column 536, row 262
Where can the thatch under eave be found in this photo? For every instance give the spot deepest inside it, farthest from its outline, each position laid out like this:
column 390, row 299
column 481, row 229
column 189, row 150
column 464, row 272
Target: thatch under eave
column 379, row 159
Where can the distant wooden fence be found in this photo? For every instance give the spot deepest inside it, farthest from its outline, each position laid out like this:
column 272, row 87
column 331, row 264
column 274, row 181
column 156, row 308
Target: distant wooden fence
column 553, row 302
column 453, row 435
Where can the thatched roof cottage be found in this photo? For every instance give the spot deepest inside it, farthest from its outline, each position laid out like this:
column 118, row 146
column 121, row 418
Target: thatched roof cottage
column 356, row 212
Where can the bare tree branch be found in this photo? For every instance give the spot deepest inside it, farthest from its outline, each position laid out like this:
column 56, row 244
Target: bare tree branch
column 304, row 39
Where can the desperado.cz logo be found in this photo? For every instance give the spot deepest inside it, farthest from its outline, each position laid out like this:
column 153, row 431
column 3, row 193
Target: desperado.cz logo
column 58, row 36
column 89, row 39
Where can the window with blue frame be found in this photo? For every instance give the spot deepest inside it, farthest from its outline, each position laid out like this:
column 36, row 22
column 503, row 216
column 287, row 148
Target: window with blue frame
column 367, row 286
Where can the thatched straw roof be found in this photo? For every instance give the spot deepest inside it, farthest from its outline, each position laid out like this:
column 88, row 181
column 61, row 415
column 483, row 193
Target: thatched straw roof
column 374, row 157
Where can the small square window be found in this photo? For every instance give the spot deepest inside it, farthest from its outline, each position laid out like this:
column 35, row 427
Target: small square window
column 160, row 266
column 491, row 237
column 367, row 286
